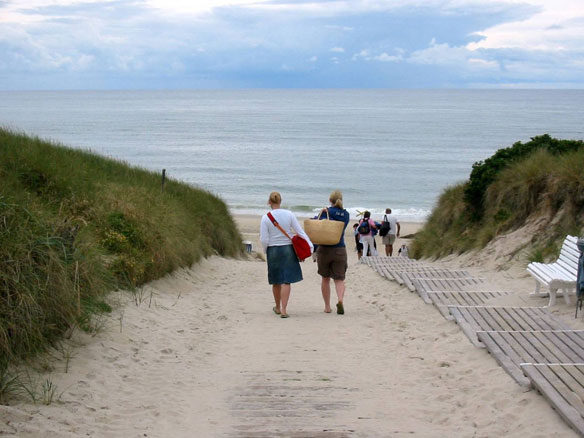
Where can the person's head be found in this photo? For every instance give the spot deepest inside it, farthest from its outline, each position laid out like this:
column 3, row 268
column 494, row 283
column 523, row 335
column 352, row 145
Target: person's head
column 388, row 211
column 336, row 199
column 274, row 199
column 355, row 226
column 366, row 215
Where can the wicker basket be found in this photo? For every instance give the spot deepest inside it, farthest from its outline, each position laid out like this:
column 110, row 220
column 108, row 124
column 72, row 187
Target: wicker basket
column 324, row 231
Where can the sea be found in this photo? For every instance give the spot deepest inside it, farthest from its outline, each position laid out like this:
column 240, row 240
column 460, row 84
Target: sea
column 382, row 148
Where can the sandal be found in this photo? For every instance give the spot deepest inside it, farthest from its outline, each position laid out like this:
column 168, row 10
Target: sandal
column 276, row 311
column 284, row 315
column 340, row 308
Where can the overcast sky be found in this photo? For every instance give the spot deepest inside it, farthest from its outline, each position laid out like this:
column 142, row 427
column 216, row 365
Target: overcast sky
column 160, row 44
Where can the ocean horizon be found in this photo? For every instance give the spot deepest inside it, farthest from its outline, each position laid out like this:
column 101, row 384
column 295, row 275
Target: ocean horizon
column 381, row 148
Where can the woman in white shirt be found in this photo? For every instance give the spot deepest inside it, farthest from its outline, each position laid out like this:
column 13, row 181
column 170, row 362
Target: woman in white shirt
column 283, row 265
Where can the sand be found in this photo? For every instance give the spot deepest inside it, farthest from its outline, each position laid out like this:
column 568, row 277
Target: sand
column 200, row 353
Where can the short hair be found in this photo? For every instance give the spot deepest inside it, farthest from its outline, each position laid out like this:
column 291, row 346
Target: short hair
column 336, row 199
column 388, row 211
column 275, row 198
column 366, row 214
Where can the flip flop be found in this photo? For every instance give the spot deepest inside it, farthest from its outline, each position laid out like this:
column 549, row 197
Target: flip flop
column 284, row 315
column 276, row 311
column 340, row 308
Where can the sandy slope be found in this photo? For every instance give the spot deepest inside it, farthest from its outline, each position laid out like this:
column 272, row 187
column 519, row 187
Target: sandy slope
column 204, row 356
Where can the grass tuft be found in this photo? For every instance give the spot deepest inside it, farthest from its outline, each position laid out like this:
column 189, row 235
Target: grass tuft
column 74, row 226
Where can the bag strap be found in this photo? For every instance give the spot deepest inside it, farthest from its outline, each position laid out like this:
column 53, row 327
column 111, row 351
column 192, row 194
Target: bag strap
column 277, row 225
column 385, row 218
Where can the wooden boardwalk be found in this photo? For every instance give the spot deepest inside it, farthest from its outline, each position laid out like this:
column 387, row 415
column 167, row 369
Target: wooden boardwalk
column 444, row 300
column 473, row 319
column 424, row 286
column 512, row 348
column 563, row 386
column 535, row 348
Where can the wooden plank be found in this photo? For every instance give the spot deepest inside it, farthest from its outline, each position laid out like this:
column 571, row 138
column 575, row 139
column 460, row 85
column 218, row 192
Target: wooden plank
column 504, row 360
column 553, row 394
column 420, row 289
column 575, row 395
column 550, row 353
column 470, row 325
column 503, row 322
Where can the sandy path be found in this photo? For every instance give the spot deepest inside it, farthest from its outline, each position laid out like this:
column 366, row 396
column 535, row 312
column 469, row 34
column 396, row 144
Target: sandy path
column 206, row 357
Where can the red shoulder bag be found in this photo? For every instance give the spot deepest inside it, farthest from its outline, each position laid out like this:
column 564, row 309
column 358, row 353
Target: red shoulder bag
column 300, row 245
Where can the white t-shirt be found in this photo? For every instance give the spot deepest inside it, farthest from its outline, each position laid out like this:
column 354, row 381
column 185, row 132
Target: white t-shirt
column 392, row 223
column 272, row 236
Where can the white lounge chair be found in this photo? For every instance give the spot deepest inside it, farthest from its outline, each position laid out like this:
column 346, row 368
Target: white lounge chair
column 558, row 275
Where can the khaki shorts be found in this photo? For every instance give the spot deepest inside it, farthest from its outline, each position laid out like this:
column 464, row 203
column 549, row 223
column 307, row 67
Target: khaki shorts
column 388, row 239
column 332, row 262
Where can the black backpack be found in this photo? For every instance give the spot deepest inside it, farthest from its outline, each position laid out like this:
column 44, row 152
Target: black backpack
column 364, row 227
column 385, row 227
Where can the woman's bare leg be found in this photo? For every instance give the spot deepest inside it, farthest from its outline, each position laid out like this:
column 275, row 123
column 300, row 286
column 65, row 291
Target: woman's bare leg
column 340, row 288
column 325, row 288
column 277, row 291
column 285, row 296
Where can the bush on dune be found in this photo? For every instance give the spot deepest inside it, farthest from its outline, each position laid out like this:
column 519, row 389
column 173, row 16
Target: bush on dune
column 74, row 225
column 542, row 178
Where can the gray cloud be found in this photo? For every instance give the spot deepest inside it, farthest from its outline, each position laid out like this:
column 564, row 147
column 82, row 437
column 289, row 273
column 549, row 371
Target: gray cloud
column 120, row 42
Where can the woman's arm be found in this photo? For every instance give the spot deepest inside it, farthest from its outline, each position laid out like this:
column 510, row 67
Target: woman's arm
column 264, row 235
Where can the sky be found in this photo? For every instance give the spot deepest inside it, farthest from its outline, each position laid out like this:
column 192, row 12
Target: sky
column 194, row 44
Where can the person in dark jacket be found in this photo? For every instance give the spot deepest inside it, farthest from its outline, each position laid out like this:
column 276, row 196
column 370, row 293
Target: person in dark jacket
column 332, row 259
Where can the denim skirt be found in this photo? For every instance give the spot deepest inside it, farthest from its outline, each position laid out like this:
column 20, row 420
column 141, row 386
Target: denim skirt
column 283, row 265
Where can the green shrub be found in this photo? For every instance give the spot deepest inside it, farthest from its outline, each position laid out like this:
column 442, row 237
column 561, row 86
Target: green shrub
column 542, row 179
column 74, row 225
column 485, row 172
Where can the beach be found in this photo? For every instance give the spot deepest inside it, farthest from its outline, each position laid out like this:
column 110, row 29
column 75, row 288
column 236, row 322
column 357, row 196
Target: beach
column 200, row 353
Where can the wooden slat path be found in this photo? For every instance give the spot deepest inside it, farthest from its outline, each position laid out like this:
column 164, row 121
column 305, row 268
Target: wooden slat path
column 535, row 348
column 383, row 265
column 472, row 284
column 407, row 276
column 512, row 348
column 563, row 386
column 473, row 319
column 442, row 300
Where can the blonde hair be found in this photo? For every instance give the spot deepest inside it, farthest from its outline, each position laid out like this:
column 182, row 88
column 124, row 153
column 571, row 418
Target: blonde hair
column 275, row 198
column 336, row 199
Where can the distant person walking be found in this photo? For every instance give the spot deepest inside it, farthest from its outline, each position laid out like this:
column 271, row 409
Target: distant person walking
column 394, row 228
column 358, row 244
column 332, row 259
column 366, row 230
column 283, row 265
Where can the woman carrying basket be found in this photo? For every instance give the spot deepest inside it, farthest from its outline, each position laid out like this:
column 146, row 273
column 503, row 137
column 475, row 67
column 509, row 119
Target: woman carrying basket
column 332, row 259
column 283, row 265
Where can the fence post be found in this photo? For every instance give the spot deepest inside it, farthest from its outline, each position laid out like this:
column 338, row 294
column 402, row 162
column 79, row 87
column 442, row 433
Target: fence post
column 163, row 178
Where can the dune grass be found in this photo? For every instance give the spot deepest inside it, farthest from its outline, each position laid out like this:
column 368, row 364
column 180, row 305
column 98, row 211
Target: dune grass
column 75, row 225
column 542, row 183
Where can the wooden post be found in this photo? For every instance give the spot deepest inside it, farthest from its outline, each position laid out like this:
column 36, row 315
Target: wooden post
column 77, row 286
column 163, row 178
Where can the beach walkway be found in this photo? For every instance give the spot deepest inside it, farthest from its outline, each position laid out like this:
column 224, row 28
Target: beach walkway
column 203, row 355
column 536, row 348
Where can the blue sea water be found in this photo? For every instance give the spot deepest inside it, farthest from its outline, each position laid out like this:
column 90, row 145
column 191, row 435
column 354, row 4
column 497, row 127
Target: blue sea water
column 382, row 148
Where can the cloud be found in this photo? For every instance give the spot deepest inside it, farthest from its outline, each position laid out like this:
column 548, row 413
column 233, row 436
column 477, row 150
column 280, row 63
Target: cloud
column 557, row 25
column 366, row 55
column 384, row 57
column 248, row 43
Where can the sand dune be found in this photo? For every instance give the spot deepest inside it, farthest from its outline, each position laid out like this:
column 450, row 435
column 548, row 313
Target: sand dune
column 203, row 355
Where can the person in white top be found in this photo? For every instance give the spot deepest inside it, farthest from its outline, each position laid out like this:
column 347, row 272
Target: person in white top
column 394, row 228
column 283, row 265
